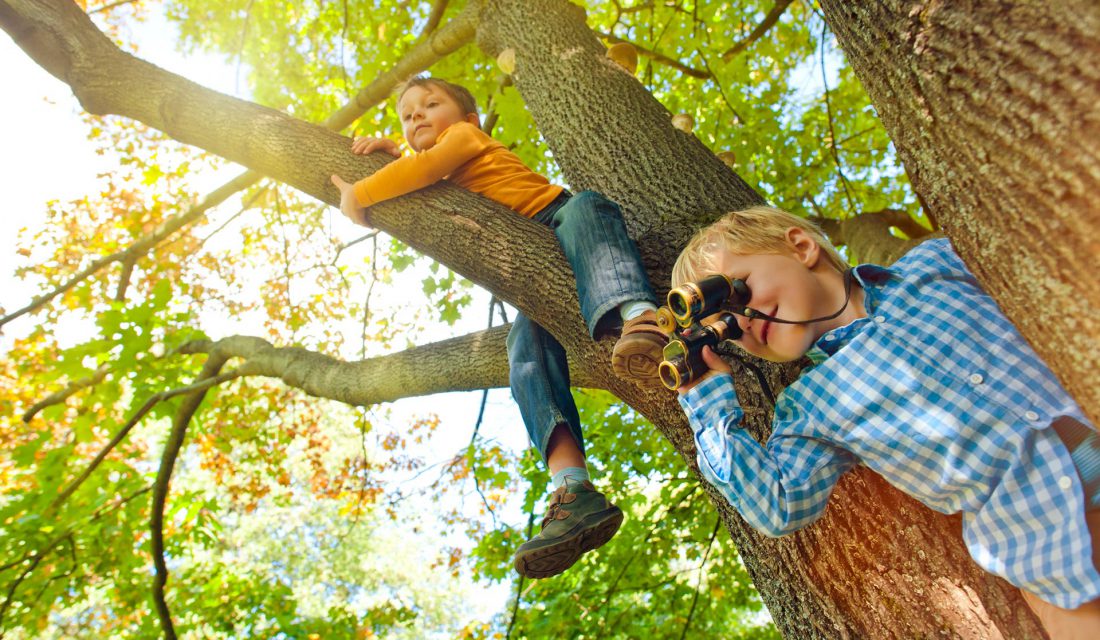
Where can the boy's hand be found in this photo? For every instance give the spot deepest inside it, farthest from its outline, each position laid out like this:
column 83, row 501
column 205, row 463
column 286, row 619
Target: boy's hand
column 349, row 205
column 366, row 144
column 716, row 364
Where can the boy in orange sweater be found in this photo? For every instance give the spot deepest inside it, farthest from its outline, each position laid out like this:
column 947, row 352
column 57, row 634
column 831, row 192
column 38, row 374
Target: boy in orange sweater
column 440, row 123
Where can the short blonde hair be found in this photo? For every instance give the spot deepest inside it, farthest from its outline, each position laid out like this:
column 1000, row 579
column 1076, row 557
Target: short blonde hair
column 755, row 230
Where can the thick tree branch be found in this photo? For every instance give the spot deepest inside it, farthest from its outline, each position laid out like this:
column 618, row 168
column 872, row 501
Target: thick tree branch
column 436, row 46
column 767, row 23
column 868, row 236
column 467, row 363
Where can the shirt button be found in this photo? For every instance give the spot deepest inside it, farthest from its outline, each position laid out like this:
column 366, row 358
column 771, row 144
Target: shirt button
column 1065, row 482
column 1031, row 415
column 880, row 319
column 830, row 337
column 976, row 378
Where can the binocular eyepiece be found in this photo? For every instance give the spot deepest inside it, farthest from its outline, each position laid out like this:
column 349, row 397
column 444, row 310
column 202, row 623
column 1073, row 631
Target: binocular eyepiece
column 688, row 304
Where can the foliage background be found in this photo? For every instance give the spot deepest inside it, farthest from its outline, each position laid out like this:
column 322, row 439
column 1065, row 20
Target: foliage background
column 294, row 517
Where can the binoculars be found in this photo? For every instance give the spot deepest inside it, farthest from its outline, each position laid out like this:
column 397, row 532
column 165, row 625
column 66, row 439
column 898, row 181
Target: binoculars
column 688, row 304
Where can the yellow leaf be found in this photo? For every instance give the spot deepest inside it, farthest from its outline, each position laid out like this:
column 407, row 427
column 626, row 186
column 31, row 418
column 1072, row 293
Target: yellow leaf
column 728, row 158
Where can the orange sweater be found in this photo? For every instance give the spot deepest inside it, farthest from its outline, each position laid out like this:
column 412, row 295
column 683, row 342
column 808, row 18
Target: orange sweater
column 468, row 157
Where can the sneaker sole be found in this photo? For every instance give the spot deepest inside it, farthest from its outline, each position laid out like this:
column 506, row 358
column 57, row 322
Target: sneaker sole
column 551, row 560
column 638, row 361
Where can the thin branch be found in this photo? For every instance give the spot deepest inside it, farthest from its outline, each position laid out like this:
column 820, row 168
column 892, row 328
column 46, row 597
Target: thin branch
column 832, row 131
column 439, row 7
column 519, row 586
column 108, row 7
column 767, row 23
column 477, row 427
column 721, row 91
column 143, row 245
column 133, row 421
column 702, row 565
column 124, row 278
column 659, row 57
column 58, row 397
column 657, row 523
column 208, row 378
column 240, row 46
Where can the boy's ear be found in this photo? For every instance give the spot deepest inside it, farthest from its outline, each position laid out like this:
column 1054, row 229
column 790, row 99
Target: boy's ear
column 473, row 119
column 805, row 248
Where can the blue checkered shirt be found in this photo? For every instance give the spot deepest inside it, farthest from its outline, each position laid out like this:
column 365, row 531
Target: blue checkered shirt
column 936, row 391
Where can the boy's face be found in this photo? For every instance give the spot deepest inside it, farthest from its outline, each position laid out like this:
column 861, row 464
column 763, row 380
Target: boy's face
column 799, row 284
column 425, row 112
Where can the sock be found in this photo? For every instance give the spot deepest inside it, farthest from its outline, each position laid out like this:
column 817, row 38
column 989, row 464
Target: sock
column 576, row 474
column 633, row 308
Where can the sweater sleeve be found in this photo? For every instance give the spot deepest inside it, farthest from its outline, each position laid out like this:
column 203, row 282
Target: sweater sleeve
column 456, row 146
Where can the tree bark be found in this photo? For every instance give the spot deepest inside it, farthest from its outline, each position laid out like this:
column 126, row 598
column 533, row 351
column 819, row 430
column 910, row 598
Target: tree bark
column 994, row 108
column 877, row 565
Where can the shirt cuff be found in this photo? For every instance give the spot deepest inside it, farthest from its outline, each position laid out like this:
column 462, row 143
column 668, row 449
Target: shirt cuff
column 713, row 390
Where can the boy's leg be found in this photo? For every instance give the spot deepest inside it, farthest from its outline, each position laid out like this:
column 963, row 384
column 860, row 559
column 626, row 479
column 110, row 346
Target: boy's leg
column 579, row 518
column 609, row 273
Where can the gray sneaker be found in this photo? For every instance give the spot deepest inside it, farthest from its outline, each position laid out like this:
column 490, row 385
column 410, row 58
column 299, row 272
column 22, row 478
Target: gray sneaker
column 578, row 520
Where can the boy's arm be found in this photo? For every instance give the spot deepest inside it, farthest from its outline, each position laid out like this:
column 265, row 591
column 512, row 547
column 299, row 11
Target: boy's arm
column 459, row 144
column 779, row 487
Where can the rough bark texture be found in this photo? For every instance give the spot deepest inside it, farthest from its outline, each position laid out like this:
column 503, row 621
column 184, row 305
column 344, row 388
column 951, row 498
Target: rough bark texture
column 994, row 108
column 877, row 565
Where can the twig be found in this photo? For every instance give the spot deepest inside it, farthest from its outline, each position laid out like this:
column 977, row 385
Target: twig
column 832, row 131
column 124, row 278
column 108, row 7
column 477, row 427
column 767, row 23
column 519, row 586
column 695, row 598
column 240, row 46
column 58, row 397
column 143, row 245
column 718, row 85
column 209, row 377
column 132, row 422
column 659, row 57
column 439, row 7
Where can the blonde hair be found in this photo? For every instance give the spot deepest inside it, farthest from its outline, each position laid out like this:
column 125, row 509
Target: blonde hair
column 750, row 231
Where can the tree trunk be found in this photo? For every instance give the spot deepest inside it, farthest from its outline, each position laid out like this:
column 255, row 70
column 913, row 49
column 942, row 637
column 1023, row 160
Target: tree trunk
column 994, row 108
column 877, row 565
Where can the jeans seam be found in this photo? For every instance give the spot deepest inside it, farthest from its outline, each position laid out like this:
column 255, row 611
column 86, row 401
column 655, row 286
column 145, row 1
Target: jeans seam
column 556, row 414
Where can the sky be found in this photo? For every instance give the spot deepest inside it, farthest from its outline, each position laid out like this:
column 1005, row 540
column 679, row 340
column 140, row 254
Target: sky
column 46, row 156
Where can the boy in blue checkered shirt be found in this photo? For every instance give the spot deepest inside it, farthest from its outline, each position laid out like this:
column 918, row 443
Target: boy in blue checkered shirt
column 917, row 374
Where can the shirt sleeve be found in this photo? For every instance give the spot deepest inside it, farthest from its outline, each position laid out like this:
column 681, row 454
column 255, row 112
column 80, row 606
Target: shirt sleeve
column 779, row 487
column 456, row 146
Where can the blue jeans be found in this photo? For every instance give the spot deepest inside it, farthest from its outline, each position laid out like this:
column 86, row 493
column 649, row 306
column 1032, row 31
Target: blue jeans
column 609, row 272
